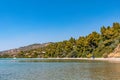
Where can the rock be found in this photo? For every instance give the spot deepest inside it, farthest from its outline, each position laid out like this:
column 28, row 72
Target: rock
column 115, row 53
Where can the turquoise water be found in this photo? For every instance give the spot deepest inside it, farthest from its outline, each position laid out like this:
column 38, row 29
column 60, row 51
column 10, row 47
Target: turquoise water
column 45, row 69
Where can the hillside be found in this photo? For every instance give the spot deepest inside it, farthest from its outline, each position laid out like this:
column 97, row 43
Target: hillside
column 13, row 52
column 93, row 45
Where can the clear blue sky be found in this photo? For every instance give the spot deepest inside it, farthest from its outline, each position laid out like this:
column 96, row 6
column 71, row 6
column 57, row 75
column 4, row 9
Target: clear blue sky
column 24, row 22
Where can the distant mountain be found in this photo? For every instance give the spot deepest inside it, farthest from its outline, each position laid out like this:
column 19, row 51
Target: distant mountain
column 25, row 48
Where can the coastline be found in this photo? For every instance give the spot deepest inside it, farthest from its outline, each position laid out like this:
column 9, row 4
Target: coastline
column 97, row 59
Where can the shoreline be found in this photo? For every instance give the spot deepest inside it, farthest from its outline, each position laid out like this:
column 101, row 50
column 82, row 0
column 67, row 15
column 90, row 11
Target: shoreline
column 96, row 59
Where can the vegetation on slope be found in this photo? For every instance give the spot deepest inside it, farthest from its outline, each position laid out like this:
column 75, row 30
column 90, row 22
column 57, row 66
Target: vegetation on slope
column 95, row 44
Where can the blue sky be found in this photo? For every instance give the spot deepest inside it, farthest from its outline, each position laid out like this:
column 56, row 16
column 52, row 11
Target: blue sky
column 24, row 22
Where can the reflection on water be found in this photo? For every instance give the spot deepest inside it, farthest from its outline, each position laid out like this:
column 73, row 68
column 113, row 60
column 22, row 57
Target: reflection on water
column 58, row 70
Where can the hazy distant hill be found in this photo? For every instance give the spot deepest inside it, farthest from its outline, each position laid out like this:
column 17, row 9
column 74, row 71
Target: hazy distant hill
column 25, row 48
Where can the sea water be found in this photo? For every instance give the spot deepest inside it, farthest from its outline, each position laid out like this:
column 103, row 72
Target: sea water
column 47, row 69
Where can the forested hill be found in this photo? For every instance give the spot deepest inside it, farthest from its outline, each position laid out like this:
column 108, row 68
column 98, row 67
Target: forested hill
column 14, row 52
column 95, row 44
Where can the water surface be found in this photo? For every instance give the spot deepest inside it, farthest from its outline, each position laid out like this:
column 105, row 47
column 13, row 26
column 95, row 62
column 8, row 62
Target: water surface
column 50, row 69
